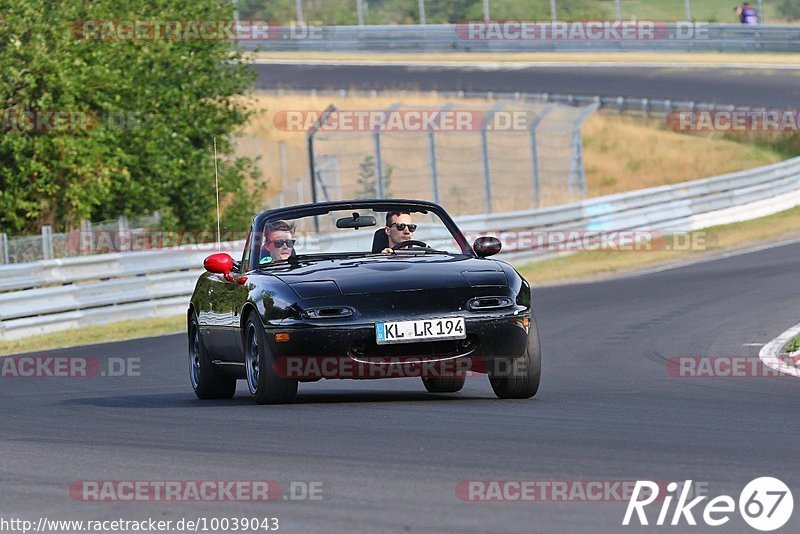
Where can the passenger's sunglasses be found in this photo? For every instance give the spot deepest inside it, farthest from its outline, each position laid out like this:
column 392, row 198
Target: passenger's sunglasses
column 280, row 243
column 402, row 226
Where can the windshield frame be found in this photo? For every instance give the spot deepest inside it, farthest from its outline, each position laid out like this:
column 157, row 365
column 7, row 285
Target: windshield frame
column 323, row 208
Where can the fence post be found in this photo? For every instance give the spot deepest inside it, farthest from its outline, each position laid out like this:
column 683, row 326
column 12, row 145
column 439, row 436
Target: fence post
column 298, row 6
column 87, row 239
column 123, row 234
column 576, row 161
column 312, row 174
column 359, row 11
column 553, row 14
column 618, row 9
column 432, row 166
column 487, row 176
column 4, row 248
column 535, row 153
column 486, row 10
column 379, row 193
column 47, row 242
column 422, row 19
column 687, row 5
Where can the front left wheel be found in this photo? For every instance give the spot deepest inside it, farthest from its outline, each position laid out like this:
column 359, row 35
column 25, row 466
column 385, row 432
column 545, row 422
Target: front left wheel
column 208, row 382
column 265, row 385
column 518, row 378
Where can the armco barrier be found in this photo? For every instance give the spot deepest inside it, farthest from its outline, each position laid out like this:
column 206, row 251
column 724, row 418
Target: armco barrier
column 672, row 36
column 53, row 295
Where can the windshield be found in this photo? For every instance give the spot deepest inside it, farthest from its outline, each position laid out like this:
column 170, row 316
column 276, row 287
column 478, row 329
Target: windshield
column 362, row 230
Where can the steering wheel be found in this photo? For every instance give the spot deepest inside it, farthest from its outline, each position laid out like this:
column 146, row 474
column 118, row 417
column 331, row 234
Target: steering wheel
column 410, row 243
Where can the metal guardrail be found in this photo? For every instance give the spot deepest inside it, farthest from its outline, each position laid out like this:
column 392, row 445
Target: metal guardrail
column 667, row 37
column 75, row 292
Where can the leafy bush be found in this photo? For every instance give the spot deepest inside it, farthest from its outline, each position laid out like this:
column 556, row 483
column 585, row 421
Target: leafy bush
column 155, row 106
column 789, row 9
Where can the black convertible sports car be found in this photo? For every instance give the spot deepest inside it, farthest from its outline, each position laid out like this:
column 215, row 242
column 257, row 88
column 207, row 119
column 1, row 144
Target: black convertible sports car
column 360, row 289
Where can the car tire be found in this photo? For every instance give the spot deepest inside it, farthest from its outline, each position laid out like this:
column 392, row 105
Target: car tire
column 518, row 378
column 264, row 384
column 444, row 384
column 207, row 381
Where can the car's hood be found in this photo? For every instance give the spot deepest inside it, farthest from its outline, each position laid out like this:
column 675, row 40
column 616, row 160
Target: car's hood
column 400, row 273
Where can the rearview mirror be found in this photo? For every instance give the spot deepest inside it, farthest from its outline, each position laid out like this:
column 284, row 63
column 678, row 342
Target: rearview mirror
column 356, row 221
column 486, row 246
column 219, row 263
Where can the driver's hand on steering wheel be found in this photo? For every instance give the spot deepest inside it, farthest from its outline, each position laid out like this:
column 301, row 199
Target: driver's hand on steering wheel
column 387, row 250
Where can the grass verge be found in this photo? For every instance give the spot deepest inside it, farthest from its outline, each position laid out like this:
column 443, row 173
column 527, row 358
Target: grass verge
column 717, row 239
column 95, row 334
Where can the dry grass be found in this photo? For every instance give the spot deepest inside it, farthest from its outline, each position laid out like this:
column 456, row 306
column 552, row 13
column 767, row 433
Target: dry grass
column 710, row 58
column 96, row 334
column 615, row 156
column 588, row 265
column 623, row 154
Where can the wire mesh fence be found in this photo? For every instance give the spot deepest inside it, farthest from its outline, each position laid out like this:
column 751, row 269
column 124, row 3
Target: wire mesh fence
column 91, row 238
column 505, row 155
column 510, row 156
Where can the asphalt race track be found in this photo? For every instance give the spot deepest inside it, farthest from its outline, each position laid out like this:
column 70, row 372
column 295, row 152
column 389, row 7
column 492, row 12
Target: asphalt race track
column 390, row 456
column 744, row 87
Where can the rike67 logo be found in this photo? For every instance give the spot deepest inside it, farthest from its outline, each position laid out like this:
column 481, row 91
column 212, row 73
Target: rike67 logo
column 765, row 504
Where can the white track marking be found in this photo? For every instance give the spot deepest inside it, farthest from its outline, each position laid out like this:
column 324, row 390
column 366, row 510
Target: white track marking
column 769, row 353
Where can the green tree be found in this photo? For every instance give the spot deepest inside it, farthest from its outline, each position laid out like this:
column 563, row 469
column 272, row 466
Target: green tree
column 790, row 9
column 367, row 181
column 156, row 105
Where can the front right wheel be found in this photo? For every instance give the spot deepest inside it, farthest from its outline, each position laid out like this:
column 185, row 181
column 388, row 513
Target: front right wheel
column 518, row 378
column 265, row 385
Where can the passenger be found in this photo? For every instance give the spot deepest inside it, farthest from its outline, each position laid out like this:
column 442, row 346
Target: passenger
column 278, row 242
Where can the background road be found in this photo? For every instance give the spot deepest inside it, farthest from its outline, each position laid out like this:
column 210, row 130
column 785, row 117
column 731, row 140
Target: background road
column 390, row 455
column 745, row 87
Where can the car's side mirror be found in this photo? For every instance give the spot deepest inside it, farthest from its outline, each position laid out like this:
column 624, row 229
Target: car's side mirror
column 219, row 263
column 486, row 246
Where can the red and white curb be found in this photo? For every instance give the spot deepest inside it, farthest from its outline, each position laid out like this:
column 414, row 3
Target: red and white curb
column 769, row 353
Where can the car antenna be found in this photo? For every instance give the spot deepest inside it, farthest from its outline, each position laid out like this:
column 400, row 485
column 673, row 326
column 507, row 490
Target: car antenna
column 216, row 184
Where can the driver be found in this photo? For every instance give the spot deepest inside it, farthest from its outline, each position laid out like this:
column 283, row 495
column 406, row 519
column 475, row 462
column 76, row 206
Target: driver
column 400, row 227
column 278, row 241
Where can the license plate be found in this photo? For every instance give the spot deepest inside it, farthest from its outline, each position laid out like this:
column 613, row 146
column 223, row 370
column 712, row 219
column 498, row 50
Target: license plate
column 420, row 330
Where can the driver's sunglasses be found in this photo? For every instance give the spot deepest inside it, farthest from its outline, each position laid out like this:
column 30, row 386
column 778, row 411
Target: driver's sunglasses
column 402, row 226
column 280, row 243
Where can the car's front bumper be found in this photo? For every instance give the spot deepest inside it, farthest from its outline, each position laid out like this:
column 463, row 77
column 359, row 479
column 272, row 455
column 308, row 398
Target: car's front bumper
column 351, row 351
